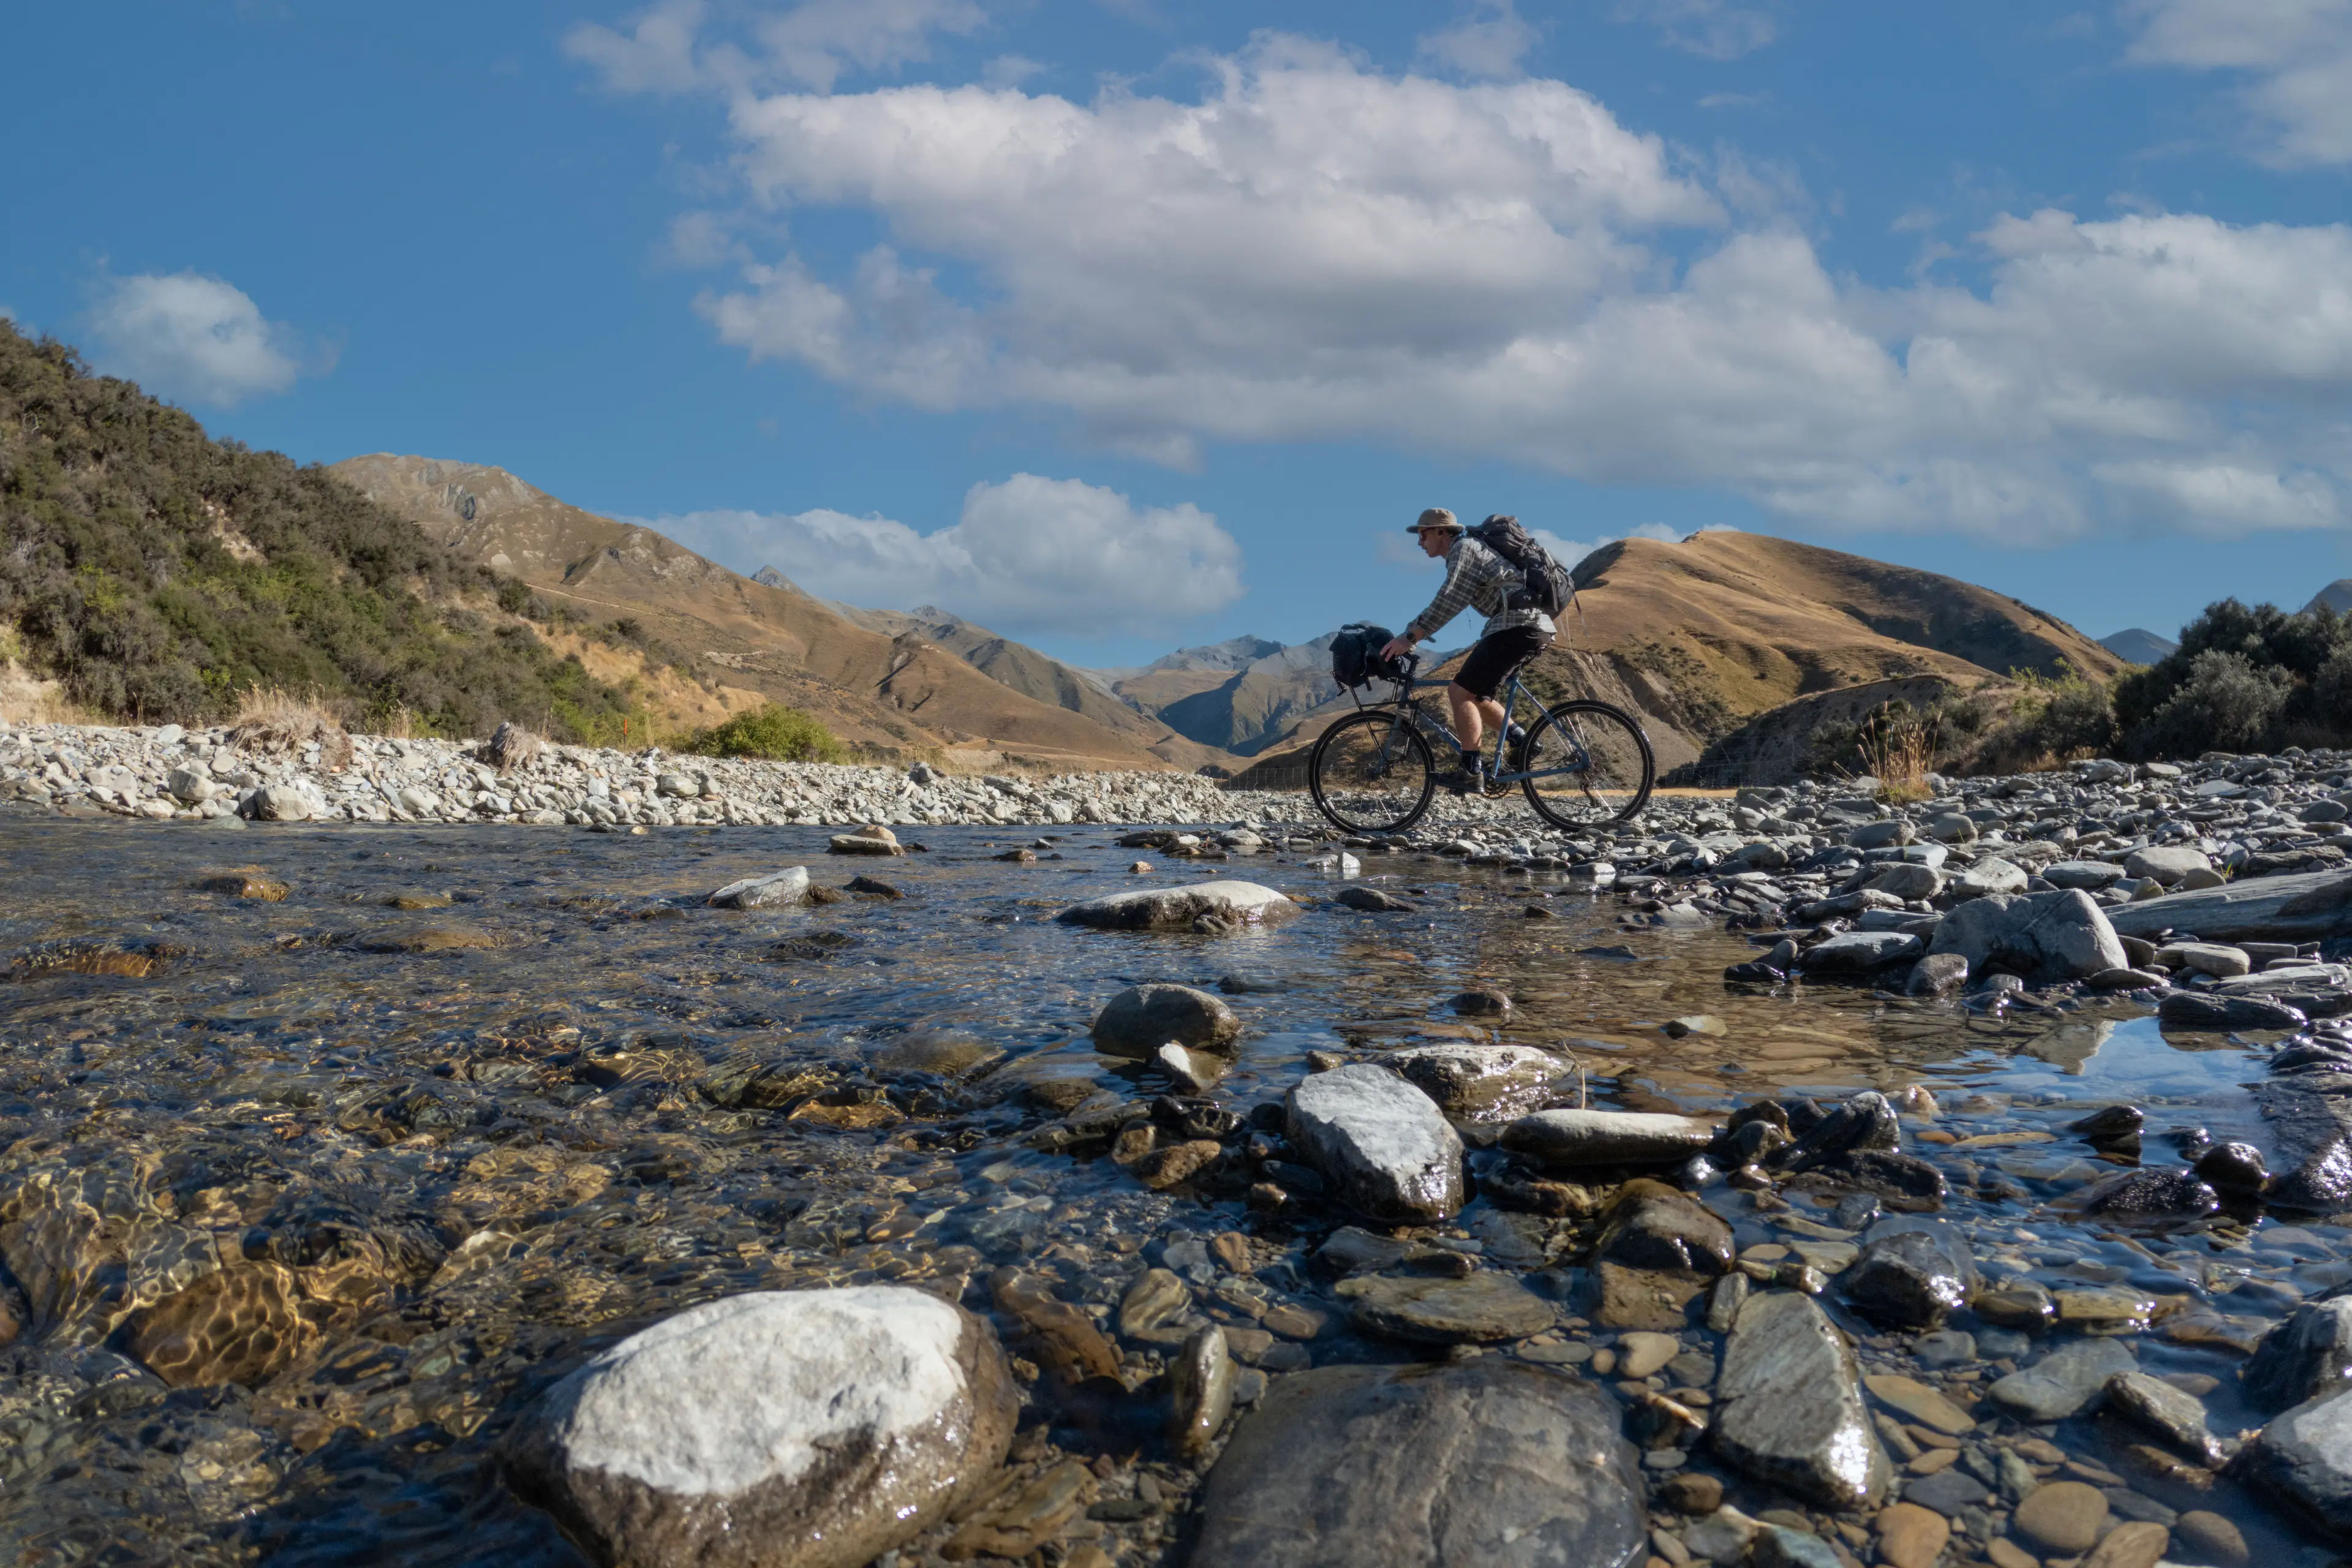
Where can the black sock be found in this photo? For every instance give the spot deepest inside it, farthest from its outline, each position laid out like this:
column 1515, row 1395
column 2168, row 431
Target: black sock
column 1469, row 761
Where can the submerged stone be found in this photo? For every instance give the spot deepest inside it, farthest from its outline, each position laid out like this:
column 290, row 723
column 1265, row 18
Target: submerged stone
column 1487, row 1462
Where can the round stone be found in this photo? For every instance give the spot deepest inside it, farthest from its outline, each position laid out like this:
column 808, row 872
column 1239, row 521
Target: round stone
column 2063, row 1516
column 1910, row 1536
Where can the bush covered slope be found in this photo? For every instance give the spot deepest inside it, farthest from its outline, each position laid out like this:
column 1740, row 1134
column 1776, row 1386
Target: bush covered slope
column 157, row 573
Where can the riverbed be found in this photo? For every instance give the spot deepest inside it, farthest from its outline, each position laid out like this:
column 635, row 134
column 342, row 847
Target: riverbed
column 325, row 1150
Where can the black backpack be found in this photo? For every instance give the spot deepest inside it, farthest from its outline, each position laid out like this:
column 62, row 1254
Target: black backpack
column 1545, row 583
column 1355, row 655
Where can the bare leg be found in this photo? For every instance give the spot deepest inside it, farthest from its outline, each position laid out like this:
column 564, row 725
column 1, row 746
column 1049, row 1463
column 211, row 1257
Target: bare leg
column 1472, row 716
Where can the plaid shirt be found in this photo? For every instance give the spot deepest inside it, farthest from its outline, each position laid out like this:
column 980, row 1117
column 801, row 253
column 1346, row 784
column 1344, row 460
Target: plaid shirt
column 1476, row 577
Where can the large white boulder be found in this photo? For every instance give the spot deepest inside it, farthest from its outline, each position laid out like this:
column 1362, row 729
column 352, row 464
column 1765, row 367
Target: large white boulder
column 780, row 1429
column 1205, row 906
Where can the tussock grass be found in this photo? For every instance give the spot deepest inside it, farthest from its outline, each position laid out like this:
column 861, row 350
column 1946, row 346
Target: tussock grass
column 271, row 719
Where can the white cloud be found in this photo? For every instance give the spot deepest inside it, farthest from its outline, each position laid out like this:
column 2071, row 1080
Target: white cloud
column 1711, row 29
column 1028, row 555
column 1490, row 41
column 191, row 336
column 2295, row 57
column 1313, row 251
column 667, row 49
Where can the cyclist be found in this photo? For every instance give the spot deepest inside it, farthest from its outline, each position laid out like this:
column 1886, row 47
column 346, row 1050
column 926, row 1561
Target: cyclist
column 1475, row 576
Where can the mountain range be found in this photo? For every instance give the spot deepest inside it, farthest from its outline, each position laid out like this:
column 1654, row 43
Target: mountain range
column 1695, row 637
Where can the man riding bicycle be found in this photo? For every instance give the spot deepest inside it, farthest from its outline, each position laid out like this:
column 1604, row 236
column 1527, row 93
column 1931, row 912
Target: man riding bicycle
column 1475, row 576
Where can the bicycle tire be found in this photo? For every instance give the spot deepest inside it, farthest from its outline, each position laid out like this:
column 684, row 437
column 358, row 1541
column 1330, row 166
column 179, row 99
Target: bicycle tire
column 1616, row 749
column 1333, row 753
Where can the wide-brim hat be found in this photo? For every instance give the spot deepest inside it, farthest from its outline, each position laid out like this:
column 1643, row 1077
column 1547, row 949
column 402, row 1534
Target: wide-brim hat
column 1435, row 517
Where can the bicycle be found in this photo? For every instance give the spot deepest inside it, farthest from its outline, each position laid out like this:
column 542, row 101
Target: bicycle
column 1583, row 763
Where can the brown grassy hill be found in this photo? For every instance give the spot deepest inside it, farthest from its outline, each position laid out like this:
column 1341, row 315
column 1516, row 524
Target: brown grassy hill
column 892, row 695
column 1034, row 675
column 1697, row 638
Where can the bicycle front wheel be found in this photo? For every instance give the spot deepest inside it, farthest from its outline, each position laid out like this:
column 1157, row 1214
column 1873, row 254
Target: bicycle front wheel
column 1588, row 765
column 1371, row 773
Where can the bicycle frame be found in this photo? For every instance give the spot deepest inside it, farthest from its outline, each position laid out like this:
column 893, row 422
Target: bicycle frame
column 1512, row 692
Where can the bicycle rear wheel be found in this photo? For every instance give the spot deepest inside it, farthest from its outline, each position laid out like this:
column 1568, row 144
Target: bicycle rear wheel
column 1371, row 773
column 1591, row 766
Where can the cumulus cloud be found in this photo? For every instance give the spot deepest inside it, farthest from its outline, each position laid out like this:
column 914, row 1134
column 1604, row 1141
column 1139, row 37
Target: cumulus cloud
column 672, row 48
column 1490, row 41
column 1310, row 250
column 1029, row 555
column 2294, row 57
column 1711, row 29
column 192, row 336
column 1569, row 551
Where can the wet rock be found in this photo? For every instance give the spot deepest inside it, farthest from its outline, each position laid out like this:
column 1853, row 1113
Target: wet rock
column 1569, row 1139
column 1141, row 1018
column 1691, row 1492
column 1481, row 1002
column 1200, row 1391
column 1789, row 1405
column 1177, row 1164
column 1938, row 975
column 2188, row 1010
column 1910, row 1279
column 1862, row 1123
column 1641, row 1353
column 1019, row 1522
column 2233, row 1168
column 872, row 887
column 1478, row 1082
column 1946, row 1492
column 1652, row 1226
column 1859, row 953
column 1205, row 905
column 1485, row 1307
column 2303, row 1459
column 1191, row 1071
column 2110, row 1124
column 2049, row 936
column 1381, row 1142
column 243, row 882
column 1490, row 1460
column 2151, row 1195
column 1372, row 901
column 2062, row 1517
column 2307, row 1356
column 2173, row 1415
column 1779, row 1546
column 815, row 1428
column 869, row 841
column 789, row 886
column 428, row 939
column 2064, row 1383
column 280, row 803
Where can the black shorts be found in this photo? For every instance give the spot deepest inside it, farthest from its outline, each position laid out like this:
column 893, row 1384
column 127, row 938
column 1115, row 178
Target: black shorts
column 1491, row 662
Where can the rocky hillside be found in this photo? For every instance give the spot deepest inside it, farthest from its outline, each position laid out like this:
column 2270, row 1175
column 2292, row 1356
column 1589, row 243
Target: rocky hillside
column 894, row 694
column 155, row 573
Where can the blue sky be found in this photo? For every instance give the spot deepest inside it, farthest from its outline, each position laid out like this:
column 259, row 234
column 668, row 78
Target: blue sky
column 1115, row 323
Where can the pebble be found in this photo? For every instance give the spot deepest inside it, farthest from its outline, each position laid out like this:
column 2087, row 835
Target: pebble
column 2063, row 1516
column 1910, row 1536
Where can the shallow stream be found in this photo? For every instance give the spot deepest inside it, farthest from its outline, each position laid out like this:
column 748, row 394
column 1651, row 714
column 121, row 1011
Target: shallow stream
column 301, row 1201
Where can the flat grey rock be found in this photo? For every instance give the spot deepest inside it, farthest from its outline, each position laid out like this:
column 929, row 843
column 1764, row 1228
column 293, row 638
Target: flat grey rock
column 778, row 1429
column 2308, row 1355
column 1860, row 952
column 2061, row 935
column 1381, row 1143
column 2064, row 1383
column 1485, row 1307
column 1789, row 1405
column 789, row 886
column 1141, row 1018
column 2303, row 1459
column 2303, row 906
column 1572, row 1138
column 1206, row 906
column 1492, row 1463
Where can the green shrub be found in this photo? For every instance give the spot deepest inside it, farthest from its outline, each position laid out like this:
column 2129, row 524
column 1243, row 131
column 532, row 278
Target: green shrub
column 2225, row 705
column 157, row 573
column 774, row 734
